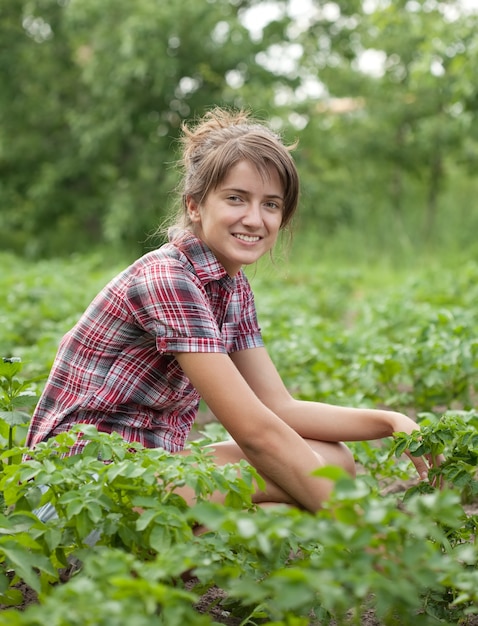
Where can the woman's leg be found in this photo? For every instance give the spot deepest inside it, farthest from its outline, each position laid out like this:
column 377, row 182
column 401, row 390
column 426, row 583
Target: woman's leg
column 328, row 453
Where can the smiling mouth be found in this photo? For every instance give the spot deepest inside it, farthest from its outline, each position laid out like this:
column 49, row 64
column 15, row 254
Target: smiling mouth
column 248, row 238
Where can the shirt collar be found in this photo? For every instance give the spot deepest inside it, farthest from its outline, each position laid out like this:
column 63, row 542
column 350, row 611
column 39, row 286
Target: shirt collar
column 205, row 264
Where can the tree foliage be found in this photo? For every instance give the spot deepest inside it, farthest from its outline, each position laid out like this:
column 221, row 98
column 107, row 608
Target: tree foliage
column 94, row 93
column 407, row 120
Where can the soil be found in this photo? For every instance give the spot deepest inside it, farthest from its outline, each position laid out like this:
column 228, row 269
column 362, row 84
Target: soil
column 211, row 598
column 210, row 602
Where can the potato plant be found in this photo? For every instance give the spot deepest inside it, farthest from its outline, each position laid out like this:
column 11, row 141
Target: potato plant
column 416, row 559
column 123, row 541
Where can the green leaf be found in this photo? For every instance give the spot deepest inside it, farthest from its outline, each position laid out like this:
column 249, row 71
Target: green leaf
column 25, row 399
column 331, row 472
column 9, row 369
column 25, row 563
column 146, row 518
column 159, row 538
column 15, row 418
column 11, row 597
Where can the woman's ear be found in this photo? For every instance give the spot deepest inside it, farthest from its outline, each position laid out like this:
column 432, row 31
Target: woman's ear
column 193, row 209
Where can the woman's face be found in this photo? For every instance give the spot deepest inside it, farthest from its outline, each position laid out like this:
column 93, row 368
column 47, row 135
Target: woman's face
column 240, row 219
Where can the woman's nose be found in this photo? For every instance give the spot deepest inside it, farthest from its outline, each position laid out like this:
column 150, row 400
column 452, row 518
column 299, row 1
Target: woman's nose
column 253, row 215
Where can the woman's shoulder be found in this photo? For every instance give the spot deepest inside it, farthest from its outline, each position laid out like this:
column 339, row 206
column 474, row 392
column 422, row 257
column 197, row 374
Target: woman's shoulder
column 163, row 270
column 168, row 256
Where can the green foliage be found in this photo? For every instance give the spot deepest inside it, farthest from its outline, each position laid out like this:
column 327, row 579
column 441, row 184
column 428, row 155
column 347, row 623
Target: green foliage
column 276, row 565
column 116, row 589
column 124, row 536
column 456, row 432
column 16, row 398
column 93, row 95
column 411, row 346
column 380, row 156
column 42, row 302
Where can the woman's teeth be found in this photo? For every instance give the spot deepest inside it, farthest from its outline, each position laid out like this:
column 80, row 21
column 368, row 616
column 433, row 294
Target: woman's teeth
column 247, row 238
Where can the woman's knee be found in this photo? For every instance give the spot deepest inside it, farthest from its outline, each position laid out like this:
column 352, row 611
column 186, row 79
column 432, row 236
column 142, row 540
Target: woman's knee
column 348, row 460
column 330, row 453
column 334, row 453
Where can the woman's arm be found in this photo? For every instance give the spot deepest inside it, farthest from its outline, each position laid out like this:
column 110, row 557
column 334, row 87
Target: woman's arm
column 274, row 448
column 316, row 420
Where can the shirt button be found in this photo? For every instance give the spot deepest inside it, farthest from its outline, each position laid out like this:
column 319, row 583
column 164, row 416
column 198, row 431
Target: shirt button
column 163, row 344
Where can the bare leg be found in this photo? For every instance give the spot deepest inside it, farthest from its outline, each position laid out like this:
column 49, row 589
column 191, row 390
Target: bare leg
column 328, row 453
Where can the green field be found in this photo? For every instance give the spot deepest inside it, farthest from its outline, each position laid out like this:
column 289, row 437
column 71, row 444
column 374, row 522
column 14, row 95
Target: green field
column 362, row 334
column 359, row 334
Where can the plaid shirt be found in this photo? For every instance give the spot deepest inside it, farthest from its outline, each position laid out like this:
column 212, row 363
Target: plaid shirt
column 116, row 368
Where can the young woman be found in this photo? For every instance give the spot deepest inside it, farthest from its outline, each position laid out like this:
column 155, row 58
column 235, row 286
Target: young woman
column 180, row 324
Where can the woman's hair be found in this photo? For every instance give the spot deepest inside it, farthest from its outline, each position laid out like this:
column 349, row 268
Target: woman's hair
column 218, row 142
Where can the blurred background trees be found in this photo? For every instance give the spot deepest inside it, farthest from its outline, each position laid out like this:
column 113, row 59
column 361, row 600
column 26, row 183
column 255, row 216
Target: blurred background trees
column 383, row 97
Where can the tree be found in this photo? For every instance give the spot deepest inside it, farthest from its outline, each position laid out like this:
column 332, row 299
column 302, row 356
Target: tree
column 409, row 118
column 95, row 95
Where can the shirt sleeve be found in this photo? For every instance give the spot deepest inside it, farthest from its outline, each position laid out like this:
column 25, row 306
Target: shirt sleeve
column 248, row 334
column 170, row 303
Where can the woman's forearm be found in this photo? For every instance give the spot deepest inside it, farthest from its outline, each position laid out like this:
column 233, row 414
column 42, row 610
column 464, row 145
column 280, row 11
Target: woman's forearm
column 289, row 462
column 326, row 422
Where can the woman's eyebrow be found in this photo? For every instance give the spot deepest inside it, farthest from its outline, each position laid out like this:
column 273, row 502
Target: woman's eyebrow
column 246, row 192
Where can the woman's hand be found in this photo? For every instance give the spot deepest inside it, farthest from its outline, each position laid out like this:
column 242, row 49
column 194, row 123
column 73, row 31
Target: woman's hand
column 423, row 464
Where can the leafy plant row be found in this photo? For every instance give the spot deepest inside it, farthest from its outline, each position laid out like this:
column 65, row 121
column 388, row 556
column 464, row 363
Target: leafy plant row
column 410, row 345
column 124, row 538
column 416, row 561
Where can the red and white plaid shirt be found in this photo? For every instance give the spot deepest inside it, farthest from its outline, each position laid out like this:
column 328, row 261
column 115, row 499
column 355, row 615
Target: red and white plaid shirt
column 115, row 368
